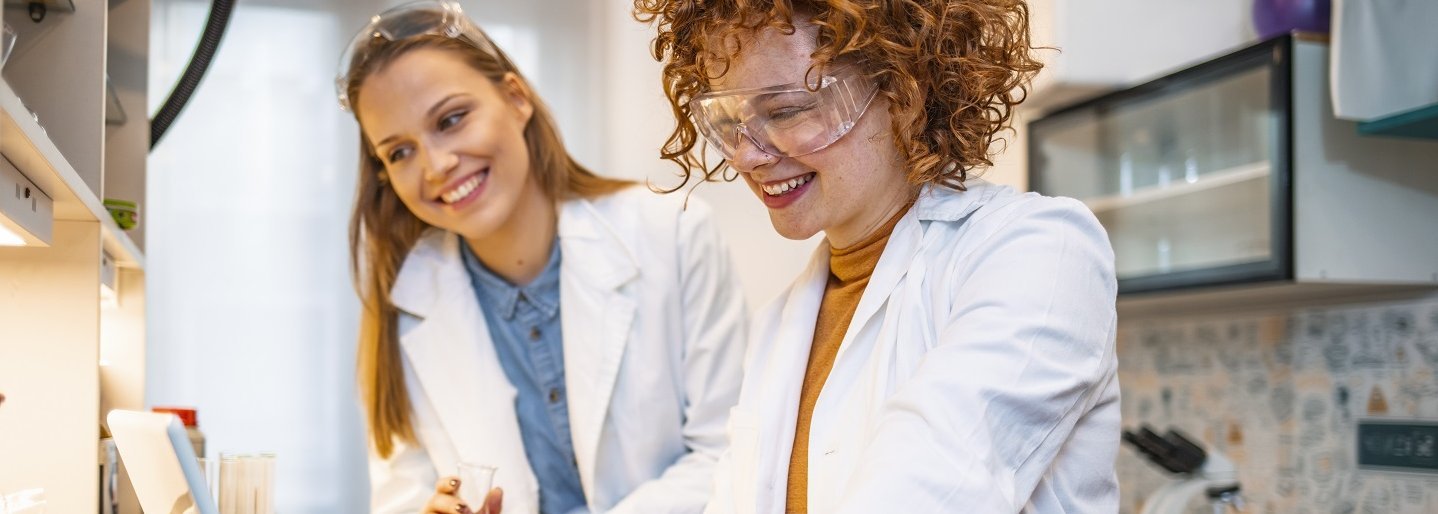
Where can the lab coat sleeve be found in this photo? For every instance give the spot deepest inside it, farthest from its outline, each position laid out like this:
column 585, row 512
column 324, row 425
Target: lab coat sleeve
column 1024, row 351
column 714, row 325
column 402, row 483
column 721, row 500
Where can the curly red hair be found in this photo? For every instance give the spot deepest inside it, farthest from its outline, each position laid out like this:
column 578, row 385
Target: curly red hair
column 952, row 70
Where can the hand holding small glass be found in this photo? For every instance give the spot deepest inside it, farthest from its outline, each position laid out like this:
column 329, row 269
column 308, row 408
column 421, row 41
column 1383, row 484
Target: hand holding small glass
column 469, row 490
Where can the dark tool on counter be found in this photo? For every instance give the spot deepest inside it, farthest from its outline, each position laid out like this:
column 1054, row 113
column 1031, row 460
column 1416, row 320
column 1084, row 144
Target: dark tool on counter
column 1198, row 471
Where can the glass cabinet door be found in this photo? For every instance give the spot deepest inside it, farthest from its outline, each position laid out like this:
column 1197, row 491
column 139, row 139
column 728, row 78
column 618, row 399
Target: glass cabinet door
column 1187, row 173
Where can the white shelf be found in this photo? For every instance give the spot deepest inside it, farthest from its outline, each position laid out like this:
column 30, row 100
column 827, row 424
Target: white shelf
column 25, row 143
column 1205, row 182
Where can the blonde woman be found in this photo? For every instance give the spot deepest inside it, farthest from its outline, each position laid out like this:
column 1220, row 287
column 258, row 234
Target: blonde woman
column 579, row 333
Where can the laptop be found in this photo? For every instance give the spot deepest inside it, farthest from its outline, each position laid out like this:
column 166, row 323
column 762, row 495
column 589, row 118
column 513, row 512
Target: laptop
column 161, row 463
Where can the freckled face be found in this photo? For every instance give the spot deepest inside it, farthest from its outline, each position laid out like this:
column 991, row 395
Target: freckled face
column 846, row 189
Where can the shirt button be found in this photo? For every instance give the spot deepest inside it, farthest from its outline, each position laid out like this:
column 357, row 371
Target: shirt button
column 553, row 395
column 533, row 333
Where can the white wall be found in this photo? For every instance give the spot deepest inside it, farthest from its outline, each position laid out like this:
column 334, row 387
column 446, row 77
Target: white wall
column 552, row 43
column 251, row 317
column 48, row 349
column 1126, row 41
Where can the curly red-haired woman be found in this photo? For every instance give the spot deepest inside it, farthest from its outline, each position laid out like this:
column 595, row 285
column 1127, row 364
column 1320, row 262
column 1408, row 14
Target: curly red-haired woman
column 951, row 346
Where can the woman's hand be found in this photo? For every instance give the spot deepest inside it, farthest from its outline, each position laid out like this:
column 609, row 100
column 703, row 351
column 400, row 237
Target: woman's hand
column 446, row 500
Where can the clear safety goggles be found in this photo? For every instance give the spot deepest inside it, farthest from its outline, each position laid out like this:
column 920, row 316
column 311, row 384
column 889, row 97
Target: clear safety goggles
column 787, row 120
column 423, row 18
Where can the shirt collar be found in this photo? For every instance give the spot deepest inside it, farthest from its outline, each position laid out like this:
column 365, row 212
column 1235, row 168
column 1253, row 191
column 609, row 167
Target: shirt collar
column 542, row 293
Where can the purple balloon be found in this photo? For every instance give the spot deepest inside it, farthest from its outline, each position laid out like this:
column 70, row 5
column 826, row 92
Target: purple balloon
column 1274, row 17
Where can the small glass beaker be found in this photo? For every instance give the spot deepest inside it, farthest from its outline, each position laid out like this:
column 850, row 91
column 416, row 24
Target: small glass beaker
column 475, row 481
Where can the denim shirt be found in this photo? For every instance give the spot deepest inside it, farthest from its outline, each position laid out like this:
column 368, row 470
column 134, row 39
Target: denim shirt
column 524, row 324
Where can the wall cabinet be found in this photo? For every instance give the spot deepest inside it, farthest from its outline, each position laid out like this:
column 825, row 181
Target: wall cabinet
column 1234, row 172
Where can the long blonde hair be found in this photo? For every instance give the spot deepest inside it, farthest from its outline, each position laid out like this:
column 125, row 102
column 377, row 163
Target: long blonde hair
column 382, row 230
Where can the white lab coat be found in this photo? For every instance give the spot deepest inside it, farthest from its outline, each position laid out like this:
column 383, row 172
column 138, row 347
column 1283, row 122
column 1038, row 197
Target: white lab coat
column 653, row 326
column 978, row 374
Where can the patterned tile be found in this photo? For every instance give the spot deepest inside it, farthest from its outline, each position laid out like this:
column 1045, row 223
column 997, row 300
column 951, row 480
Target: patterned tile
column 1281, row 394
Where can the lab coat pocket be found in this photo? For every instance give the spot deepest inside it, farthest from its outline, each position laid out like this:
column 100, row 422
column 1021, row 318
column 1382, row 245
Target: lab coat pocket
column 744, row 459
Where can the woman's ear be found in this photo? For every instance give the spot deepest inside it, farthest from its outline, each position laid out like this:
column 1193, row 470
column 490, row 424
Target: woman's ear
column 517, row 92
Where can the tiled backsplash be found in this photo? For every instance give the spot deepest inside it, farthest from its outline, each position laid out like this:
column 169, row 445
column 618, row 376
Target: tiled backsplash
column 1281, row 394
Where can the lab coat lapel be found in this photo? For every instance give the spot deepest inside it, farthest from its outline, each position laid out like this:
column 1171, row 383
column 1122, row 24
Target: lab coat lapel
column 597, row 313
column 900, row 256
column 783, row 378
column 453, row 356
column 894, row 263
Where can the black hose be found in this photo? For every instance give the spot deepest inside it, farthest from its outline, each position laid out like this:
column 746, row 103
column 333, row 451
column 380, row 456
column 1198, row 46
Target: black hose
column 209, row 43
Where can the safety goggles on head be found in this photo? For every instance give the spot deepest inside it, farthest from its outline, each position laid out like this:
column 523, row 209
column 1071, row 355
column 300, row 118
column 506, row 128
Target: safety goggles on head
column 424, row 18
column 788, row 120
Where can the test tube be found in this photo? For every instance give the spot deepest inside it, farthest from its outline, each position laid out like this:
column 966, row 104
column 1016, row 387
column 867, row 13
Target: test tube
column 245, row 488
column 247, row 483
column 229, row 483
column 267, row 483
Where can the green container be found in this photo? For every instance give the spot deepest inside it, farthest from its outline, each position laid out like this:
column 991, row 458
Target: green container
column 125, row 212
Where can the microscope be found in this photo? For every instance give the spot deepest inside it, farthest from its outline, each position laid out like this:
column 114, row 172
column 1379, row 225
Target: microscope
column 1198, row 472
